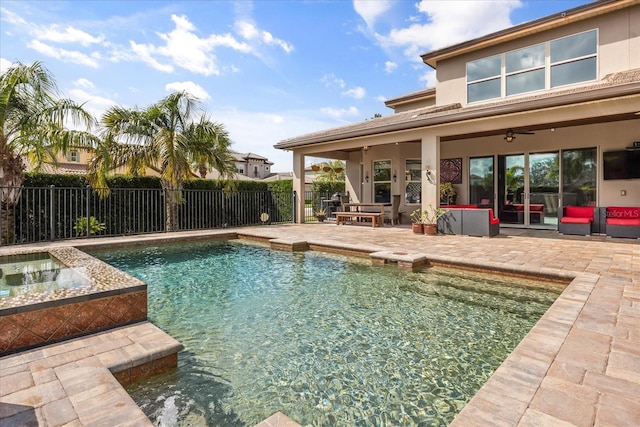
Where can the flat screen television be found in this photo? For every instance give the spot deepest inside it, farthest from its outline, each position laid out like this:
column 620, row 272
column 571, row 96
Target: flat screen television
column 623, row 164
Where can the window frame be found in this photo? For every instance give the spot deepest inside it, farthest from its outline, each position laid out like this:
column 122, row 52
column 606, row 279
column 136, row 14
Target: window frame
column 73, row 156
column 548, row 67
column 375, row 182
column 408, row 180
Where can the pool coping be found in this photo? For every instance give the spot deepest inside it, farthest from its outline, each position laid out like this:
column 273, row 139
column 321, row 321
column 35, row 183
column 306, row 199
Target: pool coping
column 574, row 367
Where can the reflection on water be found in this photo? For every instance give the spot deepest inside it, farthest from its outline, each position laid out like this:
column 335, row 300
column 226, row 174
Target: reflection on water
column 327, row 340
column 35, row 273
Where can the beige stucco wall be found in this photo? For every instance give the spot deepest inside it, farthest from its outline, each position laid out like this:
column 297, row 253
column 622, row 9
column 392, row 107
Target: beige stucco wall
column 618, row 50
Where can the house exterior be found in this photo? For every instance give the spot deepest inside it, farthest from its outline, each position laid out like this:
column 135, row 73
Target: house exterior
column 539, row 116
column 249, row 166
column 252, row 165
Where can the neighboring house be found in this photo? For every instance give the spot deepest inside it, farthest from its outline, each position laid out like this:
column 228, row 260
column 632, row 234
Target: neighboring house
column 541, row 115
column 249, row 166
column 252, row 165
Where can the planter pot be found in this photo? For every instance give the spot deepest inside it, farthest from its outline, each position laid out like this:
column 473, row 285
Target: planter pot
column 417, row 228
column 321, row 218
column 430, row 229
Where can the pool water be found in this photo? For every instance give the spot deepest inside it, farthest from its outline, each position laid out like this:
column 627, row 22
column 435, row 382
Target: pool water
column 326, row 339
column 35, row 273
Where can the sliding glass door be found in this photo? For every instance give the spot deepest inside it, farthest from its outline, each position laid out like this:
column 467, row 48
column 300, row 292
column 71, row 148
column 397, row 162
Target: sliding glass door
column 543, row 189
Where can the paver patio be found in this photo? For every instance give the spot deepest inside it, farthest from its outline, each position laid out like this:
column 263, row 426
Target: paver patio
column 580, row 364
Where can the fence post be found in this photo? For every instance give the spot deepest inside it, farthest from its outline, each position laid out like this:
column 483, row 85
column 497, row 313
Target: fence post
column 87, row 194
column 52, row 221
column 295, row 207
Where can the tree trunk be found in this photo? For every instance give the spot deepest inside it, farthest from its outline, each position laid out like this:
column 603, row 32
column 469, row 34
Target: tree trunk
column 173, row 197
column 11, row 178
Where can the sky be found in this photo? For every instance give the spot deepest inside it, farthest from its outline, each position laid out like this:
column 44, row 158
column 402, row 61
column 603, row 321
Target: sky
column 267, row 70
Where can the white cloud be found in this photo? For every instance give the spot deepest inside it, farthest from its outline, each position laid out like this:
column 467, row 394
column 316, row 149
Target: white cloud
column 144, row 54
column 11, row 17
column 190, row 87
column 340, row 112
column 84, row 83
column 429, row 78
column 448, row 23
column 389, row 67
column 370, row 10
column 330, row 80
column 250, row 32
column 381, row 98
column 64, row 55
column 94, row 104
column 4, row 64
column 356, row 92
column 54, row 34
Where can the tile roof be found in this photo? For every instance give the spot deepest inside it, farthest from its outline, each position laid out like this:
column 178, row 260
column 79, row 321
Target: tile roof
column 611, row 86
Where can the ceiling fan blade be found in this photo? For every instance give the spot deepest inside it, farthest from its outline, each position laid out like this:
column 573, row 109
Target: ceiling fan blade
column 524, row 132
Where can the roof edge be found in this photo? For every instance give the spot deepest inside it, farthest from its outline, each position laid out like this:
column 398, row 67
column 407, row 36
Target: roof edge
column 621, row 90
column 521, row 30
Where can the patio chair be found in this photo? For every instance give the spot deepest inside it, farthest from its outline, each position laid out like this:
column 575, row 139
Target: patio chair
column 394, row 216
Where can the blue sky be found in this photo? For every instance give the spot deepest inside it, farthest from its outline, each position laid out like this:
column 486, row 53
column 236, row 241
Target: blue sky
column 268, row 70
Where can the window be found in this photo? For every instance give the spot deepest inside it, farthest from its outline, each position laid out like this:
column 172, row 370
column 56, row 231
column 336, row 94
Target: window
column 481, row 181
column 525, row 69
column 571, row 59
column 413, row 183
column 483, row 78
column 579, row 176
column 73, row 156
column 382, row 181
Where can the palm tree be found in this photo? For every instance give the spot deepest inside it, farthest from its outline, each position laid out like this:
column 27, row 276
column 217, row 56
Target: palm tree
column 331, row 172
column 162, row 138
column 33, row 126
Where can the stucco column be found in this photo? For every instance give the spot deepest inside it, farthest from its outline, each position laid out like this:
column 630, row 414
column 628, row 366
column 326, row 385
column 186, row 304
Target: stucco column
column 430, row 171
column 298, row 185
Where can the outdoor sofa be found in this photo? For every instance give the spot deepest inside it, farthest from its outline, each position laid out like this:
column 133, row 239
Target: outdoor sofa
column 623, row 221
column 469, row 220
column 576, row 220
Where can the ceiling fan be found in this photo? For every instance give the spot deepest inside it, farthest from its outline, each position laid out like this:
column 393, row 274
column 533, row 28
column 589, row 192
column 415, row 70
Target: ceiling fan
column 510, row 135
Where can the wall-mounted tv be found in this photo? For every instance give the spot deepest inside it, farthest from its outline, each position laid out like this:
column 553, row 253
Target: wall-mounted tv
column 623, row 164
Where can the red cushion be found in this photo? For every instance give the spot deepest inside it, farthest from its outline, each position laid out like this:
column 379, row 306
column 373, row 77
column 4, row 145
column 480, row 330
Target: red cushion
column 623, row 212
column 575, row 220
column 536, row 208
column 623, row 221
column 578, row 212
column 492, row 219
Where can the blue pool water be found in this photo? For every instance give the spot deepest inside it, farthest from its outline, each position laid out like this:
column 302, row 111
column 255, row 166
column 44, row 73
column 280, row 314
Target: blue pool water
column 326, row 339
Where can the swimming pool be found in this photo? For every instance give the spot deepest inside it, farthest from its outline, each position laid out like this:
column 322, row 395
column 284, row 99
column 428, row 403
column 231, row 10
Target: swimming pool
column 326, row 339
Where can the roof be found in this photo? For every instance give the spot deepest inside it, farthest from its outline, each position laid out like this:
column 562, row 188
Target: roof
column 613, row 85
column 411, row 97
column 64, row 168
column 579, row 13
column 247, row 156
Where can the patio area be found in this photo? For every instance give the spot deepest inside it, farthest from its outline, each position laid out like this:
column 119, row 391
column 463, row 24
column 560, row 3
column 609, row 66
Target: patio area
column 580, row 364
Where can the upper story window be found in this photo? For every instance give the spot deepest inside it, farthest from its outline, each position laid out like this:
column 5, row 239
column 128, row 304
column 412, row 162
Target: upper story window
column 73, row 156
column 573, row 59
column 483, row 78
column 560, row 62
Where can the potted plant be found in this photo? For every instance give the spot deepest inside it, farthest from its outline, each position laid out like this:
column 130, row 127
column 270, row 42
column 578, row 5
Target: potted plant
column 430, row 218
column 417, row 221
column 321, row 214
column 448, row 193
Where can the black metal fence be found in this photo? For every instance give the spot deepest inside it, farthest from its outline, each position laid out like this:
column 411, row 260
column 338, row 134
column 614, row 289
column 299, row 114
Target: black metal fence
column 53, row 213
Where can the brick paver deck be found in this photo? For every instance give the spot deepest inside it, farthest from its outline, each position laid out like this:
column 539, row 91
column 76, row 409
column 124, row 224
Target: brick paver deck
column 579, row 365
